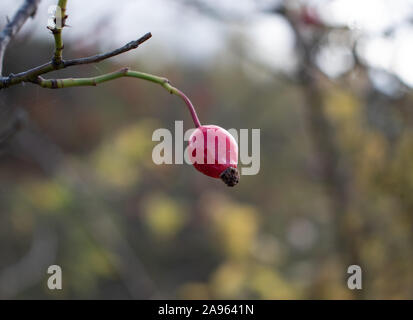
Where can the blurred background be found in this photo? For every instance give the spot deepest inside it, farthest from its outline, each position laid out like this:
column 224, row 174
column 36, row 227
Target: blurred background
column 329, row 83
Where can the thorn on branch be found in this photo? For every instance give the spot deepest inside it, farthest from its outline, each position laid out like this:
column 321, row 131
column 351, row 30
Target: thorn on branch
column 54, row 30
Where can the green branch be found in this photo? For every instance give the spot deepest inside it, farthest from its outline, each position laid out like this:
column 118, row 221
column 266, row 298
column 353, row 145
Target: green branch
column 57, row 31
column 125, row 72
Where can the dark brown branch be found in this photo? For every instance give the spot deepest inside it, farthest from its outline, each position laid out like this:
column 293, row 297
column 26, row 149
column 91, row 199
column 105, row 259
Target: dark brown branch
column 31, row 74
column 28, row 9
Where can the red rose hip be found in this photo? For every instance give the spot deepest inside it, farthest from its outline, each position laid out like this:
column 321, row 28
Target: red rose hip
column 214, row 152
column 211, row 149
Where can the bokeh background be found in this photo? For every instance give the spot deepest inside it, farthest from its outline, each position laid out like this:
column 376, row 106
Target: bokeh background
column 328, row 83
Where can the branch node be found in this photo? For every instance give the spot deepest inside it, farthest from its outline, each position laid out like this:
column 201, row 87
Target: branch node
column 7, row 81
column 57, row 63
column 54, row 84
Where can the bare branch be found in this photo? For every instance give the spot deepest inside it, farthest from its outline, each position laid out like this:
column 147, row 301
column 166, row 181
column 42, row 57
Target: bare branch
column 99, row 57
column 32, row 74
column 57, row 63
column 28, row 9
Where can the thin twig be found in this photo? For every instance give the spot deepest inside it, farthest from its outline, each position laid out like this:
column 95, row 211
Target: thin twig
column 28, row 9
column 99, row 57
column 32, row 74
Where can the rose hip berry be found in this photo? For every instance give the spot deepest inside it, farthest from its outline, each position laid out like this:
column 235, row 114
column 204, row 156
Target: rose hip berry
column 211, row 149
column 214, row 152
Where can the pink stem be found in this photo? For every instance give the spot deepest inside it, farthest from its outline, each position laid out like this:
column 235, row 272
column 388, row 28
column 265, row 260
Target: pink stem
column 190, row 107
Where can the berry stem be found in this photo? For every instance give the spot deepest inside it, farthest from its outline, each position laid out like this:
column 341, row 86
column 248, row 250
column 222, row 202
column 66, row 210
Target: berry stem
column 190, row 107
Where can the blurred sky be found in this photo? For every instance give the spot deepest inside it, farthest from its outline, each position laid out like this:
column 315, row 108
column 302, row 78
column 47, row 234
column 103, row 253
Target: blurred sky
column 182, row 33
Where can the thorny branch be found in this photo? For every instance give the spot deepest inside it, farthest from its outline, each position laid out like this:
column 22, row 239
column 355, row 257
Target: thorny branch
column 60, row 23
column 34, row 75
column 57, row 62
column 31, row 75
